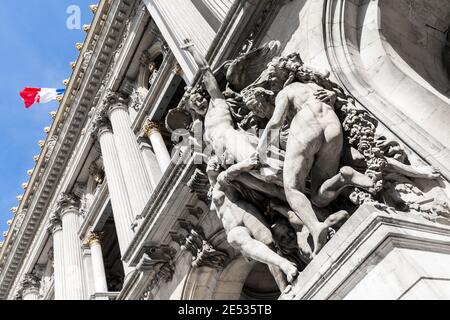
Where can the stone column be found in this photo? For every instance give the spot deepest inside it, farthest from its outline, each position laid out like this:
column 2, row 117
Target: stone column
column 73, row 261
column 94, row 240
column 88, row 272
column 132, row 163
column 30, row 287
column 152, row 130
column 55, row 228
column 150, row 160
column 122, row 212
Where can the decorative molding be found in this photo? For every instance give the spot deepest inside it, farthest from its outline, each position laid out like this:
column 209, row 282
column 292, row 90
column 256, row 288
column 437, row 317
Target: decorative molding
column 54, row 223
column 203, row 253
column 105, row 31
column 159, row 262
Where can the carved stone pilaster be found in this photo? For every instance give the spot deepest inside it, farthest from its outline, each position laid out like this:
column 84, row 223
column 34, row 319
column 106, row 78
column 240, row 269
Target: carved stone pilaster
column 100, row 122
column 30, row 282
column 54, row 223
column 160, row 260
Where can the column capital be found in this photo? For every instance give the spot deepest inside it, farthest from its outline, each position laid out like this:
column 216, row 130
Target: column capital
column 55, row 223
column 150, row 127
column 68, row 201
column 100, row 123
column 114, row 100
column 30, row 282
column 94, row 238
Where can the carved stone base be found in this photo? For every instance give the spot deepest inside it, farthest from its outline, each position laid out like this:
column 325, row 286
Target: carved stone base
column 376, row 255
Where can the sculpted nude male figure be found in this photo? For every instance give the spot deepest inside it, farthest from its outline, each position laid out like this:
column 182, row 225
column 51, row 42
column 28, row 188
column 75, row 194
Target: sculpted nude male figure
column 227, row 142
column 313, row 149
column 245, row 226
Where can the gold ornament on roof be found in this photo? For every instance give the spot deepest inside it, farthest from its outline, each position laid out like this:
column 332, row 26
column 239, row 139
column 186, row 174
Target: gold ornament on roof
column 79, row 46
column 25, row 185
column 94, row 8
column 86, row 27
column 41, row 143
column 19, row 198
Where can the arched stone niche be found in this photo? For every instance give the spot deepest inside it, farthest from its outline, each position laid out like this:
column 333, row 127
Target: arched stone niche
column 383, row 53
column 151, row 61
column 240, row 280
column 391, row 61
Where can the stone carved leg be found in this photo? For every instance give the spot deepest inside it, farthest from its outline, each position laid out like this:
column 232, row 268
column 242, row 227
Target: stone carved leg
column 241, row 238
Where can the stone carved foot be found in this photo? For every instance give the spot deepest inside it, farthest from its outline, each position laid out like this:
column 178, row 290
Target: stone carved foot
column 290, row 270
column 336, row 218
column 303, row 244
column 319, row 234
column 351, row 177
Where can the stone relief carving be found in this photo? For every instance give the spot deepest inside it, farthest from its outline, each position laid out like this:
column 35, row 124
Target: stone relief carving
column 203, row 252
column 158, row 260
column 282, row 195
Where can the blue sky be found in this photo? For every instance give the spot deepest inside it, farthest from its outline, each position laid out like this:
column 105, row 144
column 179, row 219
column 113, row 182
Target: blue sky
column 36, row 48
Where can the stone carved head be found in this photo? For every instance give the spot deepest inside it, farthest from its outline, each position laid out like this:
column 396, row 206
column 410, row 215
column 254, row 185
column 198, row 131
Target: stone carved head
column 260, row 101
column 195, row 100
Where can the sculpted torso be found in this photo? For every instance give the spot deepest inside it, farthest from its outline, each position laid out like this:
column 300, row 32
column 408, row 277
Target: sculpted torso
column 302, row 100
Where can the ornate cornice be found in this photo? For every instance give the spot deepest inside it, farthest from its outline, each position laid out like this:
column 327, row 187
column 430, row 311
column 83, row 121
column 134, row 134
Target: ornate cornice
column 104, row 35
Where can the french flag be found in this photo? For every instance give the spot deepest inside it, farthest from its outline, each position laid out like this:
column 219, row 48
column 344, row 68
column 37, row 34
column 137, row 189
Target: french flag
column 40, row 95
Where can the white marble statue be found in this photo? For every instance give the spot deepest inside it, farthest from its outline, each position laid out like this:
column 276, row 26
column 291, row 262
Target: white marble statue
column 329, row 151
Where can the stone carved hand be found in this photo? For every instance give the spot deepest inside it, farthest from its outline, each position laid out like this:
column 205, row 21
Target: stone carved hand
column 326, row 96
column 428, row 172
column 188, row 45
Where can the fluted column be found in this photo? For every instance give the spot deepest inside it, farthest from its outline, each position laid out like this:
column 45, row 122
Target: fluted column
column 94, row 240
column 132, row 162
column 151, row 162
column 122, row 212
column 55, row 228
column 73, row 260
column 30, row 287
column 152, row 130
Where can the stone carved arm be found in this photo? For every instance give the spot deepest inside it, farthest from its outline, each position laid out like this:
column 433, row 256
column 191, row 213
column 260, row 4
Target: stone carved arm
column 212, row 86
column 424, row 172
column 233, row 172
column 273, row 128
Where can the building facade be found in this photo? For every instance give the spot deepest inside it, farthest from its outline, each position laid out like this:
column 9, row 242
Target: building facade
column 132, row 197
